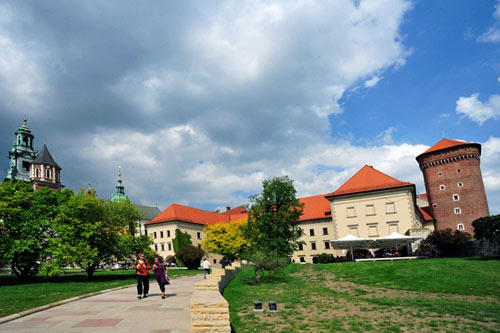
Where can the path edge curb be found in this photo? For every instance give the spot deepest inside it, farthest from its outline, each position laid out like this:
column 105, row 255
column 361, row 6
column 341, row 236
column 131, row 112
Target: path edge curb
column 25, row 313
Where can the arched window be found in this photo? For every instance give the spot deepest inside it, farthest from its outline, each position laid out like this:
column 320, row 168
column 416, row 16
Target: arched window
column 48, row 173
column 37, row 173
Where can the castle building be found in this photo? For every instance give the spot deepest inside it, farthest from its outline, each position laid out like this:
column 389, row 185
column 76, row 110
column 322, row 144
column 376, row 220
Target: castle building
column 26, row 164
column 454, row 184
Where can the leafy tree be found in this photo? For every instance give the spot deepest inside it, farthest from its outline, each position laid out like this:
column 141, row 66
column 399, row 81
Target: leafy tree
column 25, row 225
column 191, row 256
column 226, row 239
column 487, row 227
column 266, row 263
column 273, row 217
column 181, row 240
column 91, row 231
column 446, row 243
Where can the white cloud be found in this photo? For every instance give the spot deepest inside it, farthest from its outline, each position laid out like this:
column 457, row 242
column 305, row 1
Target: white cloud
column 385, row 137
column 478, row 111
column 372, row 82
column 493, row 33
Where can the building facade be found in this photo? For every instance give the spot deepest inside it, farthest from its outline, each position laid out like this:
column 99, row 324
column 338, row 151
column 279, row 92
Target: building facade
column 454, row 184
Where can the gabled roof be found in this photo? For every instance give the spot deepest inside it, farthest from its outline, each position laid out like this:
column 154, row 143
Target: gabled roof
column 446, row 143
column 176, row 212
column 367, row 179
column 45, row 158
column 235, row 210
column 148, row 212
column 315, row 207
column 426, row 213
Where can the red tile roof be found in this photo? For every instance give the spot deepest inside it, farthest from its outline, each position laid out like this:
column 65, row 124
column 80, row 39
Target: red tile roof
column 176, row 212
column 235, row 210
column 423, row 195
column 443, row 144
column 315, row 207
column 367, row 179
column 426, row 213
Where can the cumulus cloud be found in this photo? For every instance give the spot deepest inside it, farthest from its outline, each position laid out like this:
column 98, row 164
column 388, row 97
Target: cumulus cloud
column 372, row 82
column 478, row 111
column 493, row 33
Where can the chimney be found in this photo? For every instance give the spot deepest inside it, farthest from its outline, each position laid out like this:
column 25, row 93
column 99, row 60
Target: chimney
column 228, row 208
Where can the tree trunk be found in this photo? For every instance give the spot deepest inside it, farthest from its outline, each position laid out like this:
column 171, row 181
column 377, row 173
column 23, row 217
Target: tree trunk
column 90, row 271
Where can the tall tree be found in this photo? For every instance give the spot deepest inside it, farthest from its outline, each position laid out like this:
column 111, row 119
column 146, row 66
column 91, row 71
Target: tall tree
column 91, row 231
column 25, row 225
column 226, row 239
column 273, row 217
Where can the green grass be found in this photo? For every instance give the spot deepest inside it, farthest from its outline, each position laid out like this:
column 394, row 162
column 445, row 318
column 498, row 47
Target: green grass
column 431, row 295
column 16, row 297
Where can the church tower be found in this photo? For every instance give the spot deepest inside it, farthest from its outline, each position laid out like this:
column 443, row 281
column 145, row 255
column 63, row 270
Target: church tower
column 119, row 195
column 454, row 184
column 21, row 155
column 45, row 172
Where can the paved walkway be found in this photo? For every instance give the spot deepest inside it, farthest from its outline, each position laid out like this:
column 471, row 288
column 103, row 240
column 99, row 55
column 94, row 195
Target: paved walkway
column 117, row 311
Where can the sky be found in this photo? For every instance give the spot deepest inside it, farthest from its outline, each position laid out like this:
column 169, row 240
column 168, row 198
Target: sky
column 199, row 101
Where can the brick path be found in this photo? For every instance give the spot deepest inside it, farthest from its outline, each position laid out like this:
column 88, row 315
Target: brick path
column 117, row 311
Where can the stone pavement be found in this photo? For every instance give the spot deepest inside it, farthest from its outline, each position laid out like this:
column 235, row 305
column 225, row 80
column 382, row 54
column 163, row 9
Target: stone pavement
column 117, row 311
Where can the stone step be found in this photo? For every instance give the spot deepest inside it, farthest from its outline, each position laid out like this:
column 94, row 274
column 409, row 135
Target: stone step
column 205, row 310
column 214, row 277
column 211, row 329
column 209, row 316
column 209, row 323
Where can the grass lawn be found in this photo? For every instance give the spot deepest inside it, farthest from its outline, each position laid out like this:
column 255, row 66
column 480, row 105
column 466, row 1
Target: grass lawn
column 445, row 295
column 15, row 297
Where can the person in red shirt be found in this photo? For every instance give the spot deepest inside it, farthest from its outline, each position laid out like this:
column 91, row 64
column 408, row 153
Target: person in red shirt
column 142, row 266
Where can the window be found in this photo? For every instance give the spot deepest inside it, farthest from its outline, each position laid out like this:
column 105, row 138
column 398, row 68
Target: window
column 301, row 247
column 161, row 234
column 370, row 210
column 325, row 231
column 441, row 187
column 434, row 205
column 327, row 245
column 456, row 197
column 154, row 234
column 146, row 232
column 168, row 233
column 460, row 184
column 302, row 259
column 353, row 230
column 460, row 226
column 351, row 212
column 156, row 247
column 458, row 210
column 215, row 261
column 26, row 166
column 440, row 174
column 311, row 232
column 459, row 171
column 37, row 173
column 47, row 172
column 169, row 246
column 393, row 227
column 162, row 247
column 390, row 208
column 372, row 230
column 198, row 235
column 313, row 246
column 328, row 213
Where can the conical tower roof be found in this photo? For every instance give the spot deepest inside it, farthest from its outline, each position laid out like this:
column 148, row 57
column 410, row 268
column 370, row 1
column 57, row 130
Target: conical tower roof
column 45, row 158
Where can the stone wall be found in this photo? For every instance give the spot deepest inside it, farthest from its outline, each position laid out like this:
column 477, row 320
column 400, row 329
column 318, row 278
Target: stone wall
column 209, row 309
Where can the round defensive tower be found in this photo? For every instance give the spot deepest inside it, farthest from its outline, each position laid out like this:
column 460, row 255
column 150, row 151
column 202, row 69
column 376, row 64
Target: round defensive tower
column 454, row 184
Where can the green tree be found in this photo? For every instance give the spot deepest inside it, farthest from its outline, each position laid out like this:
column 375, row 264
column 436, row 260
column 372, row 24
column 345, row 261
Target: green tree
column 226, row 239
column 273, row 217
column 91, row 231
column 25, row 225
column 487, row 227
column 191, row 256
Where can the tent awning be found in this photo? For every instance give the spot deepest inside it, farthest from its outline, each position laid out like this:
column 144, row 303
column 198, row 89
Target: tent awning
column 353, row 242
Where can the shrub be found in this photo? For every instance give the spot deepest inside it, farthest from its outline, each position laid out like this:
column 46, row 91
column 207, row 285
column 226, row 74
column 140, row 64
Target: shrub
column 266, row 262
column 487, row 227
column 446, row 243
column 191, row 256
column 325, row 258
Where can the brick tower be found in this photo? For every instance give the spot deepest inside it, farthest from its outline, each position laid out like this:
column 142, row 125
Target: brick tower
column 454, row 184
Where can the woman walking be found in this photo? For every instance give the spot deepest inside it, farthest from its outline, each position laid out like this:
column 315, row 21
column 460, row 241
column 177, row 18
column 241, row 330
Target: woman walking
column 160, row 274
column 142, row 266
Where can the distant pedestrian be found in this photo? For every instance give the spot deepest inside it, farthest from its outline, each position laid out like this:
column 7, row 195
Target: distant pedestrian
column 223, row 263
column 160, row 271
column 141, row 267
column 206, row 267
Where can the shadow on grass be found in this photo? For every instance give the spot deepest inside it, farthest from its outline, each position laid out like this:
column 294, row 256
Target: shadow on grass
column 99, row 276
column 483, row 258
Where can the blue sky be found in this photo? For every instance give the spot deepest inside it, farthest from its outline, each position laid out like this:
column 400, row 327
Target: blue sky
column 199, row 102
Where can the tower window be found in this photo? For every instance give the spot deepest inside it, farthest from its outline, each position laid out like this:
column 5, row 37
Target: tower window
column 26, row 166
column 458, row 210
column 459, row 171
column 441, row 187
column 460, row 226
column 434, row 205
column 460, row 184
column 456, row 197
column 440, row 173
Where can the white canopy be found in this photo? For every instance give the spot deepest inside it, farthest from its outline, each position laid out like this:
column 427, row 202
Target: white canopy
column 351, row 242
column 394, row 240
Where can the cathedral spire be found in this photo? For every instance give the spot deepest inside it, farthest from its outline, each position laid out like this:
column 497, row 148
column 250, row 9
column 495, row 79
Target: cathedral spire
column 120, row 189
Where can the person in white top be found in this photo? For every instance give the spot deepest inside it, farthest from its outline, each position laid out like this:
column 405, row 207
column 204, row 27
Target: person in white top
column 206, row 267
